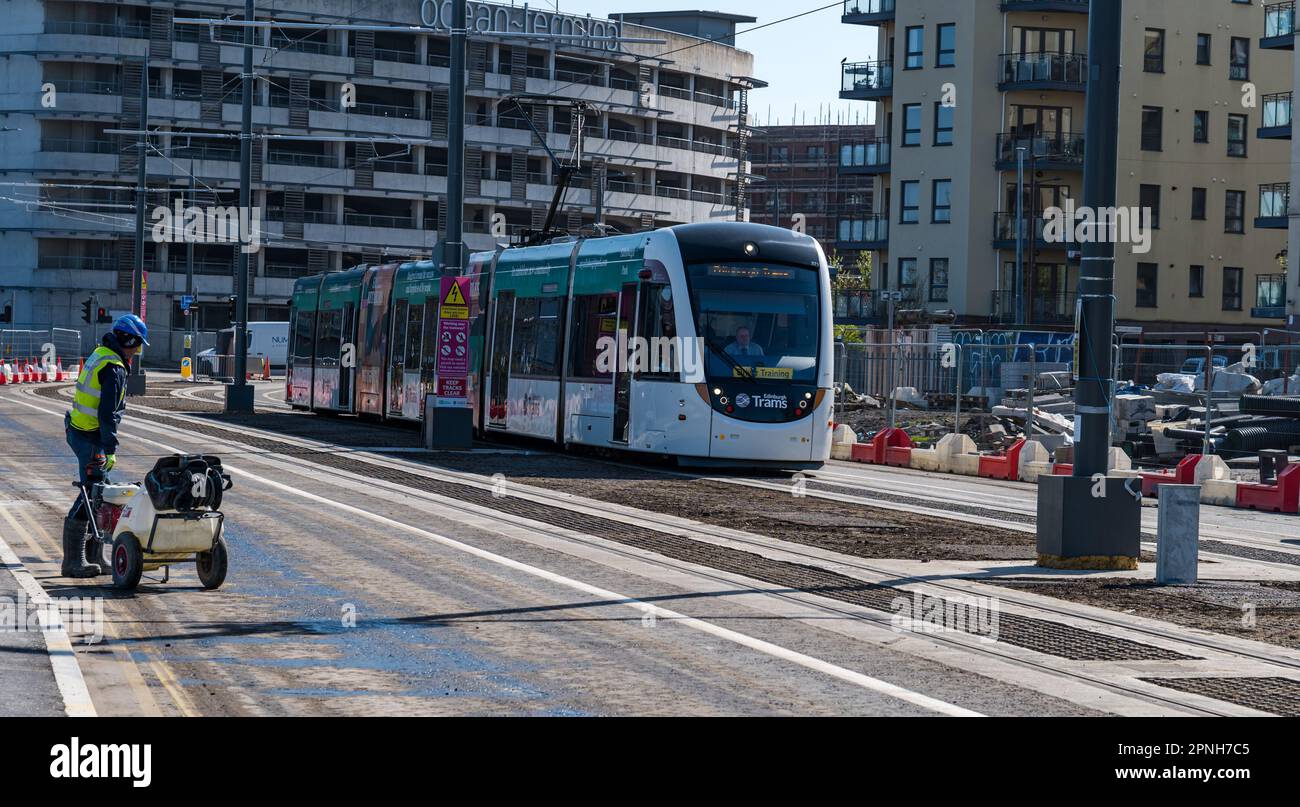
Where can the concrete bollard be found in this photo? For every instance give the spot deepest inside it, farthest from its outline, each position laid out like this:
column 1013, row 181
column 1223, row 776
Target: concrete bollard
column 1178, row 534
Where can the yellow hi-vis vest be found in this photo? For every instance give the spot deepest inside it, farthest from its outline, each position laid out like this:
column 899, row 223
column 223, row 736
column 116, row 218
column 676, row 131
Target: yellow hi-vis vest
column 85, row 403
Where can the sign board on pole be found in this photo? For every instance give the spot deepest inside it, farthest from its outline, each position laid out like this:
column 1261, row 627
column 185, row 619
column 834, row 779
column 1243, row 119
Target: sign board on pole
column 144, row 294
column 187, row 300
column 453, row 342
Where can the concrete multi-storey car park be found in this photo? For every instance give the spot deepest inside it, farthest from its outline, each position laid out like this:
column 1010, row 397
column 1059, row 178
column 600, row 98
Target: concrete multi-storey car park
column 669, row 139
column 1208, row 165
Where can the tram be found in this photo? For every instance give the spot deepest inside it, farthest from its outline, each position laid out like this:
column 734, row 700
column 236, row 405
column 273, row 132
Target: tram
column 710, row 342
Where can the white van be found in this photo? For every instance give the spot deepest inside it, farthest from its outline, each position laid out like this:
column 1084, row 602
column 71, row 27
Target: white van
column 270, row 339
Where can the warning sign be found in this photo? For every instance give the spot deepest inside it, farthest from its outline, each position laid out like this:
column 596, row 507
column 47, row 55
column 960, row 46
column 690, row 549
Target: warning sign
column 453, row 304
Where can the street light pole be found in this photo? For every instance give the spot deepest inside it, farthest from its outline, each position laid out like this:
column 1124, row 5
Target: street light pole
column 1088, row 520
column 135, row 381
column 453, row 240
column 1020, row 231
column 239, row 395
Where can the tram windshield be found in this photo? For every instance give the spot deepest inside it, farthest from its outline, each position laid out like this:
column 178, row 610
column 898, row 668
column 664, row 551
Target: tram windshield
column 758, row 321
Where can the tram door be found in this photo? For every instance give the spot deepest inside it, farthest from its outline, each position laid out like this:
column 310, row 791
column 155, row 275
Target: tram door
column 502, row 331
column 397, row 363
column 627, row 308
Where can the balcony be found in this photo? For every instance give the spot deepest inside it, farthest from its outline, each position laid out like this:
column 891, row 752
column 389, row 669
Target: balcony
column 1065, row 6
column 1052, row 152
column 867, row 12
column 1004, row 231
column 105, row 29
column 867, row 81
column 863, row 233
column 1277, row 117
column 1274, row 202
column 1066, row 72
column 867, row 157
column 1279, row 26
column 1042, row 308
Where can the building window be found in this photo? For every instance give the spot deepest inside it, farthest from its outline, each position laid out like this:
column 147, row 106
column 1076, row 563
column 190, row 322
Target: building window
column 1145, row 295
column 911, row 124
column 907, row 273
column 1152, row 127
column 1232, row 288
column 1201, row 126
column 942, row 203
column 1204, row 47
column 938, row 280
column 910, row 210
column 1154, row 51
column 1270, row 291
column 915, row 48
column 1196, row 281
column 1239, row 68
column 1236, row 135
column 1149, row 199
column 942, row 124
column 1234, row 214
column 946, row 46
column 1198, row 204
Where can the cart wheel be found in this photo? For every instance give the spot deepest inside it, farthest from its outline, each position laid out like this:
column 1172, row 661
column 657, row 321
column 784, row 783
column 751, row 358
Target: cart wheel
column 212, row 565
column 127, row 561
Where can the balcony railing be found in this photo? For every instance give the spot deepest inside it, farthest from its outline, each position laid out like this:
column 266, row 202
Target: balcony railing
column 108, row 29
column 864, row 80
column 1069, row 6
column 78, row 145
column 1040, row 308
column 302, row 158
column 1004, row 229
column 88, row 87
column 177, row 266
column 75, row 262
column 1279, row 26
column 1061, row 150
column 1274, row 202
column 1277, row 116
column 385, row 110
column 290, row 43
column 1044, row 70
column 870, row 156
column 375, row 220
column 865, row 12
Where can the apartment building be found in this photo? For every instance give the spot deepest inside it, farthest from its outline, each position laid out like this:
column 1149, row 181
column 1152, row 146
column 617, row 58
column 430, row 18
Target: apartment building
column 666, row 144
column 1279, row 34
column 965, row 91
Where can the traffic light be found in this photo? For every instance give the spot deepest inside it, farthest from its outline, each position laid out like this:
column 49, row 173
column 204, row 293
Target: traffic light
column 230, row 310
column 103, row 316
column 85, row 310
column 7, row 315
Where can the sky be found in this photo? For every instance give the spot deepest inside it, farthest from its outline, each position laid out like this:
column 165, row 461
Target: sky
column 800, row 58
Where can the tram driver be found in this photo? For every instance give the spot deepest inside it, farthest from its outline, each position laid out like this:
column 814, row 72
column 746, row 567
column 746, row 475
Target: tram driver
column 743, row 346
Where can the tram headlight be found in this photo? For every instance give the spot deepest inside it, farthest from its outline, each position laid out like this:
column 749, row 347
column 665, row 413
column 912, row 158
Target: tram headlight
column 724, row 402
column 751, row 249
column 717, row 391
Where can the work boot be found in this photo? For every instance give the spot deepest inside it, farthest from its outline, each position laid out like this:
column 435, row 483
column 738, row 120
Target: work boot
column 74, row 550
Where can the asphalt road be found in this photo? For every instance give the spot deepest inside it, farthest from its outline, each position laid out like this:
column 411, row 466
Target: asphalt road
column 353, row 596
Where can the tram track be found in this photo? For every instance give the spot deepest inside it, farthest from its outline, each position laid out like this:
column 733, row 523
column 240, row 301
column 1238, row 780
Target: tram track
column 718, row 555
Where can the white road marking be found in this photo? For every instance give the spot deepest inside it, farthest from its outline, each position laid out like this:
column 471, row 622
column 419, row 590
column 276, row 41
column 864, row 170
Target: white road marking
column 63, row 659
column 768, row 648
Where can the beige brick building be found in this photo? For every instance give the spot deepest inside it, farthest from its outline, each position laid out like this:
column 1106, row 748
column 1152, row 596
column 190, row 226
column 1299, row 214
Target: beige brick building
column 962, row 87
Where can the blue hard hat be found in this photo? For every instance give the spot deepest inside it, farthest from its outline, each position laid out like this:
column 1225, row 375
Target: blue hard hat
column 132, row 326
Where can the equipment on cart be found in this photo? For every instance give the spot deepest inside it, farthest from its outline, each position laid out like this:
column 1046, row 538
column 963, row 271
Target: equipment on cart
column 171, row 517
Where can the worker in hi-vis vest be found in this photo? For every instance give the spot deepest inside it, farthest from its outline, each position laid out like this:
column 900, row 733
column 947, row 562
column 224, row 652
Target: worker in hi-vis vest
column 91, row 427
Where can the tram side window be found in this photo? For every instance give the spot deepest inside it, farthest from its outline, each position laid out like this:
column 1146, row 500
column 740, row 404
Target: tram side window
column 331, row 331
column 399, row 333
column 303, row 331
column 414, row 319
column 536, row 337
column 657, row 325
column 594, row 316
